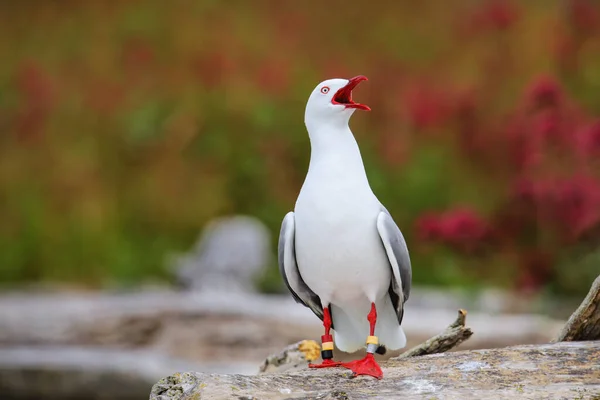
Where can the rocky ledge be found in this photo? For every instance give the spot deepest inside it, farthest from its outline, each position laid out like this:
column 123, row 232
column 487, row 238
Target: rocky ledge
column 552, row 371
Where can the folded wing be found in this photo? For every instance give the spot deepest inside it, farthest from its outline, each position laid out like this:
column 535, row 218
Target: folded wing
column 397, row 253
column 289, row 268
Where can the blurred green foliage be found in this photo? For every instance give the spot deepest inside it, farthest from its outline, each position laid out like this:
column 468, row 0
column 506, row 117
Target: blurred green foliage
column 127, row 125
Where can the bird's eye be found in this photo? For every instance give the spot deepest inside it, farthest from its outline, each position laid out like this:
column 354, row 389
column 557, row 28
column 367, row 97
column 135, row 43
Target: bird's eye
column 325, row 89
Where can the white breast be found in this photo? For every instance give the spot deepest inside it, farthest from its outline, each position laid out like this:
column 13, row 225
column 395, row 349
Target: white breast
column 338, row 248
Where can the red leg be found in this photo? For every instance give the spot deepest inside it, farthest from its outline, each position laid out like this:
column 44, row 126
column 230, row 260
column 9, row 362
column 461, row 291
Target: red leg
column 326, row 320
column 372, row 317
column 327, row 340
column 368, row 365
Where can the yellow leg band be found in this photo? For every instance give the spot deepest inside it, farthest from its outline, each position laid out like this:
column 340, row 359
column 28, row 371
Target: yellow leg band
column 327, row 346
column 372, row 340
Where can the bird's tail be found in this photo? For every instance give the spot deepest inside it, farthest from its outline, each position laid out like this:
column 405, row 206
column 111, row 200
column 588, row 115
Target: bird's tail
column 352, row 328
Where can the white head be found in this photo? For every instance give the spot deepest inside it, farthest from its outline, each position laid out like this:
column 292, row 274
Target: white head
column 330, row 103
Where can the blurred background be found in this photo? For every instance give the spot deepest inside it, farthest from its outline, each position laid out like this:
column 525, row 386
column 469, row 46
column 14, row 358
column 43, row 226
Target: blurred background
column 139, row 137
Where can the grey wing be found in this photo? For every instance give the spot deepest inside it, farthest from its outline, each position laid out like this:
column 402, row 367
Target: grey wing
column 397, row 252
column 289, row 268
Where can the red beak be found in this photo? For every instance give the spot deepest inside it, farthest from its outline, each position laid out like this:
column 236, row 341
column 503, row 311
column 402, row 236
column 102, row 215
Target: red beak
column 344, row 95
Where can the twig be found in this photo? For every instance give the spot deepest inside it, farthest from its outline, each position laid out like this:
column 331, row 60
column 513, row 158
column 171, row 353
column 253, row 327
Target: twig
column 454, row 335
column 584, row 324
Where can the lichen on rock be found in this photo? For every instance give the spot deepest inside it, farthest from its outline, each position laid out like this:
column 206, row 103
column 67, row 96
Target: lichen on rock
column 177, row 386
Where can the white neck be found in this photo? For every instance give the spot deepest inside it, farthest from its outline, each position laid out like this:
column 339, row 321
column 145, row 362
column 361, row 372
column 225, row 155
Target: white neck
column 335, row 153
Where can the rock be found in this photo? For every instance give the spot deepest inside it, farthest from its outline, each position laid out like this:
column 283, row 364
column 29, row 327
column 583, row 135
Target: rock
column 177, row 386
column 551, row 371
column 227, row 257
column 294, row 356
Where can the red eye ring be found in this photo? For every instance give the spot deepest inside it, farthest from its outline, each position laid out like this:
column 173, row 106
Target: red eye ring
column 325, row 89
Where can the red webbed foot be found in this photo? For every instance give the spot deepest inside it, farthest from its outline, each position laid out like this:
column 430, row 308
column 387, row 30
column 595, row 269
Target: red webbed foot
column 366, row 366
column 326, row 364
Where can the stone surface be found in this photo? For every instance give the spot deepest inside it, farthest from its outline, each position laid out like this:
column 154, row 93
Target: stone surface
column 551, row 371
column 229, row 254
column 235, row 327
column 293, row 357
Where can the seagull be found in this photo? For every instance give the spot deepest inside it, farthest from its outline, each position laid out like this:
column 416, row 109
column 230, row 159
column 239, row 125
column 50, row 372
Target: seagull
column 340, row 252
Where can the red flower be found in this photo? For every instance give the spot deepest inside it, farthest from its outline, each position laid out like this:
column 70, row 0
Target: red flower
column 543, row 127
column 525, row 149
column 544, row 91
column 547, row 125
column 577, row 206
column 463, row 227
column 589, row 139
column 528, row 191
column 529, row 200
column 460, row 228
column 571, row 207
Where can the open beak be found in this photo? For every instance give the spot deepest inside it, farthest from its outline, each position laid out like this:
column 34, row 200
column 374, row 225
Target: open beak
column 344, row 95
